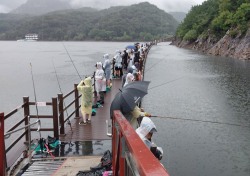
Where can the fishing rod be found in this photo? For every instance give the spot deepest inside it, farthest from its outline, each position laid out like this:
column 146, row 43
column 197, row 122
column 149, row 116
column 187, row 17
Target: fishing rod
column 72, row 61
column 166, row 83
column 196, row 120
column 69, row 123
column 34, row 89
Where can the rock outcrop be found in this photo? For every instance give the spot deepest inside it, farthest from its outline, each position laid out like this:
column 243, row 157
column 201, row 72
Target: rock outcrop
column 236, row 47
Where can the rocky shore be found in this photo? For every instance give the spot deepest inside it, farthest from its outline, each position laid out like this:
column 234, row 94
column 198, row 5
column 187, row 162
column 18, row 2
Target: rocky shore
column 237, row 47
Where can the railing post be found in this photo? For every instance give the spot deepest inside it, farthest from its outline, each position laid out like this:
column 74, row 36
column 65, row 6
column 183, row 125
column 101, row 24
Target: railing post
column 95, row 93
column 55, row 118
column 113, row 68
column 2, row 147
column 76, row 101
column 26, row 110
column 61, row 113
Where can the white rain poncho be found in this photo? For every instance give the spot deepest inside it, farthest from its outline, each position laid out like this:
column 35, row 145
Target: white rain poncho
column 118, row 59
column 129, row 78
column 148, row 126
column 107, row 66
column 86, row 90
column 100, row 79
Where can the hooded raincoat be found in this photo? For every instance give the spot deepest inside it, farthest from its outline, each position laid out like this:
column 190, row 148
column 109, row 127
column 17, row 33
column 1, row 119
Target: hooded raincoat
column 100, row 79
column 107, row 66
column 86, row 89
column 129, row 78
column 148, row 126
column 118, row 59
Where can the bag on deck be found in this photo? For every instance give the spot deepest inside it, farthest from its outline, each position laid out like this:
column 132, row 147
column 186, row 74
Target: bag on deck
column 104, row 165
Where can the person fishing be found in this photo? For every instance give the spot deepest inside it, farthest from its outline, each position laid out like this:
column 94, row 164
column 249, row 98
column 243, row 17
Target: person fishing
column 86, row 89
column 136, row 116
column 129, row 79
column 100, row 83
column 130, row 70
column 118, row 64
column 145, row 131
column 107, row 68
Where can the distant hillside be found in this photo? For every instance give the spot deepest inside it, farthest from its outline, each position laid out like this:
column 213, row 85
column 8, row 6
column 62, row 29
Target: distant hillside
column 142, row 21
column 179, row 16
column 218, row 28
column 39, row 7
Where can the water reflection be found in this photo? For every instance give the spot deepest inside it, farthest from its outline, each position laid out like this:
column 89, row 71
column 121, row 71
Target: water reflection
column 77, row 148
column 87, row 147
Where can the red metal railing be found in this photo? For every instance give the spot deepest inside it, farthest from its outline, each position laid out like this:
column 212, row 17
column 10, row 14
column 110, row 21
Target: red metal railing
column 130, row 156
column 2, row 146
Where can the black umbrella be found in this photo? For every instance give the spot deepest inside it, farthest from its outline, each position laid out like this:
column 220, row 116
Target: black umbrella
column 129, row 96
column 131, row 47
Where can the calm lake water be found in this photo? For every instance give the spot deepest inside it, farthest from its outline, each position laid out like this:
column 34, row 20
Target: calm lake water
column 184, row 85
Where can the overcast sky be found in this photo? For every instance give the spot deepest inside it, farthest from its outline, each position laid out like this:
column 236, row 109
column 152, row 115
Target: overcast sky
column 167, row 5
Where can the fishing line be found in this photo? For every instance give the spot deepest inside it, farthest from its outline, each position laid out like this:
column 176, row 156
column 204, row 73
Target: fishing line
column 153, row 66
column 69, row 123
column 165, row 83
column 205, row 121
column 34, row 89
column 72, row 61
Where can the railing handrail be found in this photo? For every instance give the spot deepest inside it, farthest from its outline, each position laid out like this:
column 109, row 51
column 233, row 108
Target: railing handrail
column 25, row 107
column 124, row 137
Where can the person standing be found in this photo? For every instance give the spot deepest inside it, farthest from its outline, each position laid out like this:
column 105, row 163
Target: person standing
column 107, row 68
column 100, row 82
column 86, row 89
column 125, row 60
column 118, row 64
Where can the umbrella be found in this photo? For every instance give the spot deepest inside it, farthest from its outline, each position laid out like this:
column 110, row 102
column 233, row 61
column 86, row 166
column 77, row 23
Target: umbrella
column 129, row 96
column 131, row 47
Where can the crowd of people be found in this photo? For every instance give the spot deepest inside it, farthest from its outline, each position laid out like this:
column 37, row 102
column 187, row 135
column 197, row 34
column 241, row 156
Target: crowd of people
column 128, row 67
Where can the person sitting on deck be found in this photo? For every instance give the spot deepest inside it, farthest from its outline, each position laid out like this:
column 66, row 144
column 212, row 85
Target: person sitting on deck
column 86, row 89
column 145, row 132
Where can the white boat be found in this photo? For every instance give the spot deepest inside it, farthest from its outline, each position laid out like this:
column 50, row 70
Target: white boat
column 32, row 37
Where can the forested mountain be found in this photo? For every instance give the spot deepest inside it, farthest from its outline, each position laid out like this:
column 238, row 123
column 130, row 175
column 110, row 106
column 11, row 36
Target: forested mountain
column 217, row 17
column 219, row 27
column 142, row 21
column 39, row 7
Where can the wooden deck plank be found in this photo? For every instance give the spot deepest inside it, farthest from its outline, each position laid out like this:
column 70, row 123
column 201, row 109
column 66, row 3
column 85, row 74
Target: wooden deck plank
column 97, row 129
column 72, row 165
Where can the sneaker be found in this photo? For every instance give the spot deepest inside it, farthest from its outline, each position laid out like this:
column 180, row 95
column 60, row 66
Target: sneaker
column 82, row 123
column 88, row 121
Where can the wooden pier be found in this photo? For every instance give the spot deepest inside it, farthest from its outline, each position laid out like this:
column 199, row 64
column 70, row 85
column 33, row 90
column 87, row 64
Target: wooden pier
column 126, row 158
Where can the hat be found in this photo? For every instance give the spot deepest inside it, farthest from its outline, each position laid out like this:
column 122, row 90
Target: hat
column 106, row 56
column 147, row 126
column 98, row 65
column 130, row 70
